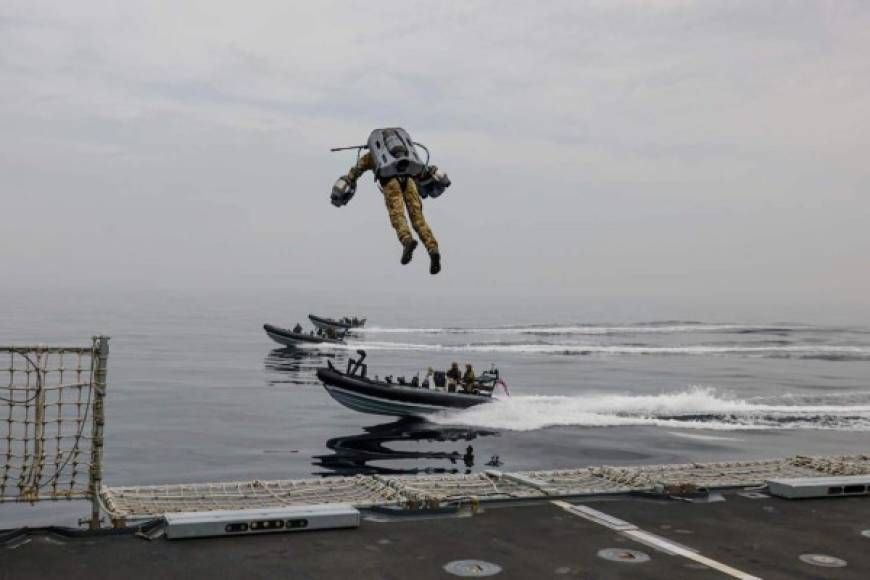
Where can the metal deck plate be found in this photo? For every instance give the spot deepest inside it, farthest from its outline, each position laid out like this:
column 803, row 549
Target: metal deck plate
column 472, row 568
column 623, row 555
column 822, row 560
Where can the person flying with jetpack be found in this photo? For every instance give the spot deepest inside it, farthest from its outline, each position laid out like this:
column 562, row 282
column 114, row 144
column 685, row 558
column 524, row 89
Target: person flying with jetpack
column 404, row 179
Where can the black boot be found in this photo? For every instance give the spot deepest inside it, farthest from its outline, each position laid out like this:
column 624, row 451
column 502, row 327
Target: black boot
column 408, row 251
column 434, row 263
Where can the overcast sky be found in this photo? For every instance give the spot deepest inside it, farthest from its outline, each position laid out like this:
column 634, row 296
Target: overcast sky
column 706, row 153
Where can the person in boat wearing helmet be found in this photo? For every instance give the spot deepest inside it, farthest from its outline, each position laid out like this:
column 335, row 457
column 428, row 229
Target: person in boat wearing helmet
column 468, row 379
column 398, row 169
column 454, row 377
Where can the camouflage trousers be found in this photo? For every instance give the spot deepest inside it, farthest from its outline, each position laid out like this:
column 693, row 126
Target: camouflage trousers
column 397, row 200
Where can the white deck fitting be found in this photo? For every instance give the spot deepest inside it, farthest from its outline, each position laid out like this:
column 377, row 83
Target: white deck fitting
column 260, row 521
column 820, row 486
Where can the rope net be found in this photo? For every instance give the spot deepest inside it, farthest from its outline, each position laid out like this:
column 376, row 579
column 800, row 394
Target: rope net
column 722, row 474
column 431, row 490
column 836, row 465
column 584, row 480
column 143, row 501
column 47, row 423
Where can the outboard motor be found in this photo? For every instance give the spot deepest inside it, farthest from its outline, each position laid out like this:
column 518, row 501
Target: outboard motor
column 342, row 192
column 432, row 182
column 354, row 366
column 393, row 153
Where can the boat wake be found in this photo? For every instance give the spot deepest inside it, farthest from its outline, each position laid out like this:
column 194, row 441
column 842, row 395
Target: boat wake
column 807, row 351
column 695, row 408
column 607, row 328
column 665, row 338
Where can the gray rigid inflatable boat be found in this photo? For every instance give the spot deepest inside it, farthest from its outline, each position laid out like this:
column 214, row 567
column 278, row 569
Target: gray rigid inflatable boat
column 365, row 395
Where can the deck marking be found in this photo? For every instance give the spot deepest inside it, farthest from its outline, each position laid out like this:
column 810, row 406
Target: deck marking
column 648, row 539
column 662, row 544
column 596, row 516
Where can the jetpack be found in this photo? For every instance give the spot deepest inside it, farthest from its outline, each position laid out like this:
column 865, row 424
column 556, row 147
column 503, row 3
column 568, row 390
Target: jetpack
column 393, row 154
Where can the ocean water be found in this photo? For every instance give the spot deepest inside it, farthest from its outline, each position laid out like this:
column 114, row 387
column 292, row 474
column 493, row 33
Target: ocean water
column 198, row 392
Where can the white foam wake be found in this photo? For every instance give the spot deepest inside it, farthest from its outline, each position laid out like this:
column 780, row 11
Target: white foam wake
column 591, row 329
column 807, row 351
column 695, row 408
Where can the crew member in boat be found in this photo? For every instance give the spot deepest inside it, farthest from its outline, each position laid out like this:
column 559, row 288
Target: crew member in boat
column 298, row 328
column 439, row 379
column 454, row 377
column 468, row 379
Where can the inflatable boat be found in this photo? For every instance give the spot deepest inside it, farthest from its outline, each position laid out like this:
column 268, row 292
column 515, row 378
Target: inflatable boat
column 355, row 390
column 290, row 338
column 342, row 325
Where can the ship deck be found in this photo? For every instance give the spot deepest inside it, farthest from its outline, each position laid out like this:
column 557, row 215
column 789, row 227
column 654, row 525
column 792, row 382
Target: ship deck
column 744, row 534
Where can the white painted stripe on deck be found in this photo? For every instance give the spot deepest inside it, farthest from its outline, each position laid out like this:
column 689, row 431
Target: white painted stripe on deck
column 596, row 516
column 649, row 539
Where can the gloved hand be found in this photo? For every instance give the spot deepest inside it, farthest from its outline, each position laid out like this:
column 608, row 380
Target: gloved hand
column 343, row 190
column 432, row 182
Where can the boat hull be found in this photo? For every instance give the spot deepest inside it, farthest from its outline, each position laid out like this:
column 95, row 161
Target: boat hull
column 379, row 398
column 379, row 406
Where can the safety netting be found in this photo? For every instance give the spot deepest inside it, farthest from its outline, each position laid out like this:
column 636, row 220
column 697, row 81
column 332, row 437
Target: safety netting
column 836, row 465
column 154, row 500
column 708, row 475
column 52, row 417
column 432, row 490
column 584, row 480
column 426, row 490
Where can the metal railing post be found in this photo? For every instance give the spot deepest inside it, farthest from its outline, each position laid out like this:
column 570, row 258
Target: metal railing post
column 100, row 362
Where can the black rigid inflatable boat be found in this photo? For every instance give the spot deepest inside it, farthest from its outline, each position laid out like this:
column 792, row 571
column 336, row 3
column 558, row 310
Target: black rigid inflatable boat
column 290, row 338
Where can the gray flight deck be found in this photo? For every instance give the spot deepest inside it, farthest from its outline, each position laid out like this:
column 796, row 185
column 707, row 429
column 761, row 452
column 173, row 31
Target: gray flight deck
column 749, row 534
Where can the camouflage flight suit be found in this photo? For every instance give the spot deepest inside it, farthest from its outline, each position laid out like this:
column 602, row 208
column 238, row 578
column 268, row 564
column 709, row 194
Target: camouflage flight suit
column 394, row 195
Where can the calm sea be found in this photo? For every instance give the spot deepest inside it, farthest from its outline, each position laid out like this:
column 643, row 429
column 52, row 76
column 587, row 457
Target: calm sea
column 199, row 393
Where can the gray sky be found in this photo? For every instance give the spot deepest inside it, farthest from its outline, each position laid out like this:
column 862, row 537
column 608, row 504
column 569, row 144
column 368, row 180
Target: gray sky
column 713, row 154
